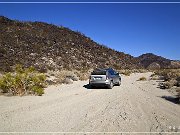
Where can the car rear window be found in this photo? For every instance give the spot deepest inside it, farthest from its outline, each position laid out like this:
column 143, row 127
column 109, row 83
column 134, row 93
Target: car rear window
column 98, row 72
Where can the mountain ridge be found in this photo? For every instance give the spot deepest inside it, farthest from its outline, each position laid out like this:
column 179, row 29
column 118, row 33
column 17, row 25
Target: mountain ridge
column 50, row 47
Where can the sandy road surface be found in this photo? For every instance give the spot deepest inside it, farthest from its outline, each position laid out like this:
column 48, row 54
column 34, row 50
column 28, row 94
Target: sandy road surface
column 135, row 106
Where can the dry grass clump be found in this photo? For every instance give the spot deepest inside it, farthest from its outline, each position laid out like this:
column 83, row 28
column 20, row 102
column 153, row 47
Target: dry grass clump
column 139, row 70
column 142, row 79
column 168, row 84
column 66, row 76
column 168, row 74
column 171, row 79
column 67, row 81
column 125, row 72
column 83, row 75
column 128, row 72
column 156, row 77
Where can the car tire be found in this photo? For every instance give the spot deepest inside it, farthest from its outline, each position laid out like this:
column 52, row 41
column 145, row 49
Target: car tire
column 119, row 83
column 110, row 86
column 90, row 86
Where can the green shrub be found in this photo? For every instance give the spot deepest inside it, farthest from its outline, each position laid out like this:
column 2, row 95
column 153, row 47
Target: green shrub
column 142, row 79
column 23, row 81
column 38, row 90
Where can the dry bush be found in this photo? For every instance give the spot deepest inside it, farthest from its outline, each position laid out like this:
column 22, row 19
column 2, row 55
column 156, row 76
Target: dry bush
column 67, row 81
column 142, row 79
column 165, row 85
column 83, row 75
column 178, row 82
column 155, row 77
column 51, row 73
column 178, row 95
column 64, row 75
column 139, row 70
column 67, row 77
column 125, row 72
column 128, row 72
column 168, row 84
column 168, row 74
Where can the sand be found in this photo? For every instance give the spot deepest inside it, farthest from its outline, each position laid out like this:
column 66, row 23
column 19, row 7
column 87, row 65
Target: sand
column 135, row 106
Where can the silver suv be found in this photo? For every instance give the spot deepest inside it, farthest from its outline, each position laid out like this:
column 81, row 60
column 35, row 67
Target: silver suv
column 105, row 77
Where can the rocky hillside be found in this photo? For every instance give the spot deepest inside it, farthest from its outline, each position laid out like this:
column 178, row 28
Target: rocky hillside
column 46, row 46
column 152, row 61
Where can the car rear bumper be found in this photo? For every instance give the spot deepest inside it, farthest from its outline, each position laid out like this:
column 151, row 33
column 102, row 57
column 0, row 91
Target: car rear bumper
column 99, row 83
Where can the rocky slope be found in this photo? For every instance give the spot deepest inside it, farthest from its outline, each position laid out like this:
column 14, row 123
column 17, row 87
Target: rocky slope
column 152, row 61
column 47, row 46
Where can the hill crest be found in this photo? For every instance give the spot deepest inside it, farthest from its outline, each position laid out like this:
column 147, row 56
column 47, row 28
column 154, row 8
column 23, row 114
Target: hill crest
column 50, row 47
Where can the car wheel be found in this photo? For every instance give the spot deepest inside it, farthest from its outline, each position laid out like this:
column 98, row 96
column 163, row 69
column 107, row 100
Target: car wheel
column 90, row 86
column 119, row 83
column 110, row 86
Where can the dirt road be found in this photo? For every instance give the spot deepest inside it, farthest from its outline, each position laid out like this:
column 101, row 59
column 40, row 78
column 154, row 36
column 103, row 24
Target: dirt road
column 135, row 106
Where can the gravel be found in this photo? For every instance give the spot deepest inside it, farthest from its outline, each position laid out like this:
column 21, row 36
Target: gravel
column 135, row 106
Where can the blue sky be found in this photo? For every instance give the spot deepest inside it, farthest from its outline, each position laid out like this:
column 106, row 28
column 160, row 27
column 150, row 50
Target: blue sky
column 131, row 28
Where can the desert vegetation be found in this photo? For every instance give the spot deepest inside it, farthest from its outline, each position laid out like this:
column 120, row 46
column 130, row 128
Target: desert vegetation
column 142, row 79
column 170, row 77
column 67, row 76
column 49, row 47
column 23, row 81
column 128, row 72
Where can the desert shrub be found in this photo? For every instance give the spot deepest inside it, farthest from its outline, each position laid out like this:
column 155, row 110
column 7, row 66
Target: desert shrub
column 165, row 85
column 51, row 73
column 178, row 95
column 72, row 77
column 125, row 72
column 168, row 84
column 83, row 75
column 128, row 72
column 65, row 76
column 67, row 81
column 142, row 79
column 23, row 81
column 155, row 77
column 178, row 81
column 139, row 70
column 168, row 74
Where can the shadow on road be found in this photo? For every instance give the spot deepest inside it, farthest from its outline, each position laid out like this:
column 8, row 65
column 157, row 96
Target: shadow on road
column 87, row 86
column 171, row 99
